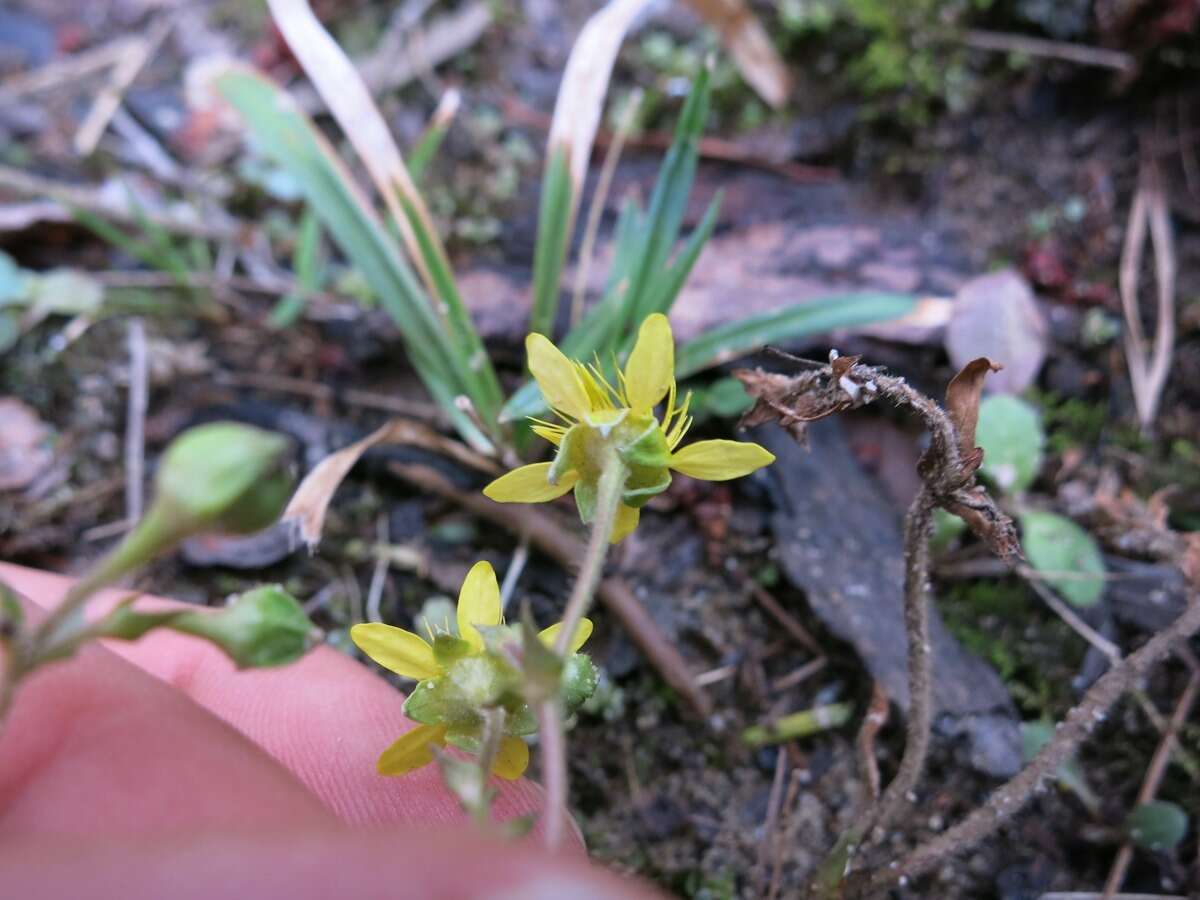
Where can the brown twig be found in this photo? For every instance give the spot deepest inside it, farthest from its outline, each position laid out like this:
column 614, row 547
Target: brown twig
column 218, row 226
column 1003, row 42
column 873, row 721
column 789, row 622
column 1153, row 778
column 548, row 534
column 135, row 421
column 123, row 73
column 1011, row 797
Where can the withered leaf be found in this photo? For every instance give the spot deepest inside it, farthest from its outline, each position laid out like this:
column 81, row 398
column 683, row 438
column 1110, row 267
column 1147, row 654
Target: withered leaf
column 987, row 521
column 962, row 401
column 310, row 503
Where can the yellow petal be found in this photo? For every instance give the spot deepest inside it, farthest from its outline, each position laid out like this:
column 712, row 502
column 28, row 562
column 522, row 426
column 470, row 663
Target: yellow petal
column 412, row 750
column 394, row 648
column 512, row 759
column 583, row 631
column 556, row 376
column 720, row 460
column 478, row 603
column 627, row 520
column 651, row 366
column 529, row 484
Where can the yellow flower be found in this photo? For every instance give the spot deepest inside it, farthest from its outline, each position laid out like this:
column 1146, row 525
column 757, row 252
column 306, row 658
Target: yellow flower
column 596, row 416
column 458, row 677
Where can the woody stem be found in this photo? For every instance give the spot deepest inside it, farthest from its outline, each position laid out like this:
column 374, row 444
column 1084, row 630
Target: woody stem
column 550, row 715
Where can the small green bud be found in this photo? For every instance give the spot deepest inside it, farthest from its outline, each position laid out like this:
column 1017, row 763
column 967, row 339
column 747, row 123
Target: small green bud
column 262, row 627
column 226, row 476
column 259, row 628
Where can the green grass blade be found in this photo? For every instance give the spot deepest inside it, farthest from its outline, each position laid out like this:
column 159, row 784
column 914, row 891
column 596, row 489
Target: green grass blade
column 306, row 267
column 664, row 216
column 474, row 366
column 288, row 137
column 666, row 287
column 728, row 342
column 553, row 240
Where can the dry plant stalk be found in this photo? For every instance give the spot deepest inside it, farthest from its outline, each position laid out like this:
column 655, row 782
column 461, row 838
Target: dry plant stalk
column 344, row 92
column 947, row 470
column 748, row 43
column 584, row 86
column 1148, row 372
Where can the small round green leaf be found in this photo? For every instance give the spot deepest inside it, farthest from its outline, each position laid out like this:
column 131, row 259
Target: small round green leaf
column 1065, row 554
column 1158, row 826
column 1010, row 433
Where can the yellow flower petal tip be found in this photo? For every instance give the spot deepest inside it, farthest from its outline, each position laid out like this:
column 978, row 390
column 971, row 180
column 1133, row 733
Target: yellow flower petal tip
column 412, row 750
column 626, row 523
column 512, row 759
column 549, row 636
column 650, row 370
column 394, row 648
column 478, row 603
column 529, row 484
column 720, row 460
column 557, row 377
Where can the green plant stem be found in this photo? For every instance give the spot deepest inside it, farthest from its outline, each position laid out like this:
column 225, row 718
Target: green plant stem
column 159, row 529
column 550, row 718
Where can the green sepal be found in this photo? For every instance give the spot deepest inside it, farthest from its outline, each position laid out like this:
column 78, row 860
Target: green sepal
column 541, row 667
column 648, row 449
column 521, row 719
column 643, row 485
column 585, row 499
column 569, row 455
column 579, row 681
column 425, row 703
column 448, row 649
column 466, row 737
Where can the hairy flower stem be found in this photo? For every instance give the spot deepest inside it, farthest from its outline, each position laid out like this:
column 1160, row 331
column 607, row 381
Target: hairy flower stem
column 918, row 524
column 550, row 719
column 1008, row 799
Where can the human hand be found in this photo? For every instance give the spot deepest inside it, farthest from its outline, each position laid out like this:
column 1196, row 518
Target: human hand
column 155, row 769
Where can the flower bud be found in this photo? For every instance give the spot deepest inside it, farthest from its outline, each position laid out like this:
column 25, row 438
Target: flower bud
column 262, row 627
column 226, row 476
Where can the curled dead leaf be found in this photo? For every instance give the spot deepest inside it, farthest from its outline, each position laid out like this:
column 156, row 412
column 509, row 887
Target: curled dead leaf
column 962, row 403
column 987, row 521
column 310, row 503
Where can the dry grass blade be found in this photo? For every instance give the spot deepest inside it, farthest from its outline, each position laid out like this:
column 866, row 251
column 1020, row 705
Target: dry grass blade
column 1148, row 372
column 747, row 42
column 310, row 503
column 341, row 87
column 124, row 72
column 584, row 86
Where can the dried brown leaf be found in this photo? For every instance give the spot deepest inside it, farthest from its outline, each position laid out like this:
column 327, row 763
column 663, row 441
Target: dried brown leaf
column 750, row 46
column 310, row 503
column 962, row 402
column 345, row 93
column 987, row 521
column 585, row 84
